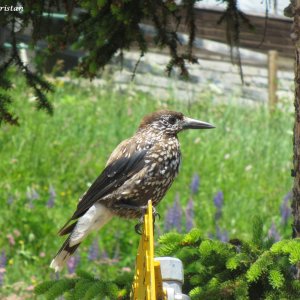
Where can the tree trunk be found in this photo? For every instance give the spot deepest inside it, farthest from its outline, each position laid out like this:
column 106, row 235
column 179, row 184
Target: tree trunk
column 296, row 140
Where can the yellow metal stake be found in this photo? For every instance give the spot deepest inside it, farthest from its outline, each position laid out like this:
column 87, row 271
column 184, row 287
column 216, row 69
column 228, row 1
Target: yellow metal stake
column 147, row 283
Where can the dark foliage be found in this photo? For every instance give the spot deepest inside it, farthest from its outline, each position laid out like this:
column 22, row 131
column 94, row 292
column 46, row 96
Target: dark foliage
column 100, row 29
column 256, row 269
column 85, row 286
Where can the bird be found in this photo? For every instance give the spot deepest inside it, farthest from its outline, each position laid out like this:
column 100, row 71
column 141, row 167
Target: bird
column 141, row 168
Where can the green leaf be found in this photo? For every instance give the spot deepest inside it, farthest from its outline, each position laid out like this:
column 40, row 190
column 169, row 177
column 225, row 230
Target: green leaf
column 171, row 237
column 84, row 274
column 193, row 237
column 237, row 260
column 59, row 288
column 195, row 293
column 294, row 252
column 232, row 263
column 81, row 288
column 101, row 290
column 170, row 243
column 44, row 287
column 241, row 289
column 276, row 279
column 257, row 231
column 213, row 283
column 259, row 267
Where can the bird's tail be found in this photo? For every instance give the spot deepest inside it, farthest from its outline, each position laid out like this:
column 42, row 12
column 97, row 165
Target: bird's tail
column 63, row 255
column 66, row 250
column 95, row 218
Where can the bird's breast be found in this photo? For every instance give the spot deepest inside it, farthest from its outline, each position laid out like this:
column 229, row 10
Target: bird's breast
column 162, row 166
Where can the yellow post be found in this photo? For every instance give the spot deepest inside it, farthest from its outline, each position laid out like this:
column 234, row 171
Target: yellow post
column 147, row 283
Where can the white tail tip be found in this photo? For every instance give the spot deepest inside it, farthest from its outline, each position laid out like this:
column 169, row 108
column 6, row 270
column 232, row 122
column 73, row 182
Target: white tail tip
column 60, row 260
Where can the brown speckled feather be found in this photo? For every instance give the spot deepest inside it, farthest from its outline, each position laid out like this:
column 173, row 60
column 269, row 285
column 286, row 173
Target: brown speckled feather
column 141, row 168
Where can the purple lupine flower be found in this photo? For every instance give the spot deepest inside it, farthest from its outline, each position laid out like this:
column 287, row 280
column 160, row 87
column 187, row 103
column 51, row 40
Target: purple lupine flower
column 285, row 209
column 52, row 196
column 3, row 260
column 94, row 250
column 10, row 200
column 174, row 215
column 221, row 235
column 195, row 184
column 189, row 215
column 32, row 194
column 273, row 233
column 218, row 202
column 219, row 199
column 72, row 263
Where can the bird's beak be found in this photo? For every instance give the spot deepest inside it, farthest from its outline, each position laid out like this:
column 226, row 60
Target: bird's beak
column 189, row 123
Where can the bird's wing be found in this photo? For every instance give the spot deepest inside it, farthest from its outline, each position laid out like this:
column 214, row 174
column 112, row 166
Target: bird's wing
column 113, row 176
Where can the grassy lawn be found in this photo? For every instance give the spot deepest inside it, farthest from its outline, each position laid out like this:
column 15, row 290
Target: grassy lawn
column 48, row 162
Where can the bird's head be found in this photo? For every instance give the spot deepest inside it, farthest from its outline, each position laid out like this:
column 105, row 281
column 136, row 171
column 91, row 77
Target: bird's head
column 172, row 122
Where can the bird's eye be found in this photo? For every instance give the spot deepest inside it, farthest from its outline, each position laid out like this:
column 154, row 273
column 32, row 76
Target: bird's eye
column 172, row 120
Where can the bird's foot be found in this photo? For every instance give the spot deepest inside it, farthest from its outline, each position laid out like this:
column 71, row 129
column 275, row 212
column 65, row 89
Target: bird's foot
column 139, row 226
column 155, row 214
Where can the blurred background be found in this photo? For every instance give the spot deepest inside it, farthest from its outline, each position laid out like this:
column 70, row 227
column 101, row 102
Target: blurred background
column 228, row 175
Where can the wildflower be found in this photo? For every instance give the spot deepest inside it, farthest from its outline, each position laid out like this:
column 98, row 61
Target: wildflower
column 3, row 260
column 174, row 214
column 16, row 232
column 273, row 233
column 11, row 239
column 218, row 202
column 189, row 215
column 248, row 168
column 32, row 195
column 52, row 196
column 10, row 200
column 72, row 263
column 227, row 156
column 219, row 199
column 285, row 209
column 126, row 269
column 195, row 184
column 94, row 250
column 33, row 280
column 11, row 262
column 221, row 235
column 42, row 254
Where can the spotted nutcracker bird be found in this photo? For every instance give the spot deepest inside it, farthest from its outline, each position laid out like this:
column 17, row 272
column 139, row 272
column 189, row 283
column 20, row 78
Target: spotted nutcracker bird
column 141, row 168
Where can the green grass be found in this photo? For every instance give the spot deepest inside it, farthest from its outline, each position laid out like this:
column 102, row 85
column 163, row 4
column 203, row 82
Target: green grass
column 248, row 157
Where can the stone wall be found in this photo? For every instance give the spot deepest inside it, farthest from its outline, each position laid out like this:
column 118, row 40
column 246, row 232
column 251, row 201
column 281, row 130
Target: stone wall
column 221, row 77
